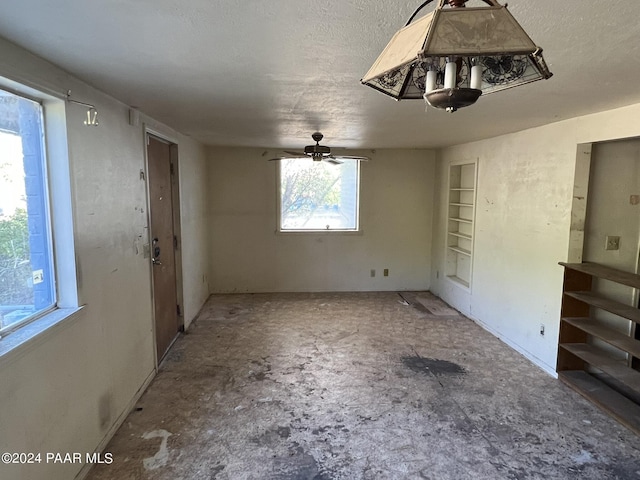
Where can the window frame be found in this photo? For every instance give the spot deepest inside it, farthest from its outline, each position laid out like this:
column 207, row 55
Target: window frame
column 357, row 230
column 46, row 207
column 61, row 236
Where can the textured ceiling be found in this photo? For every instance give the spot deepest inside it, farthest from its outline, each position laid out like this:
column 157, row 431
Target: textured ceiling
column 269, row 73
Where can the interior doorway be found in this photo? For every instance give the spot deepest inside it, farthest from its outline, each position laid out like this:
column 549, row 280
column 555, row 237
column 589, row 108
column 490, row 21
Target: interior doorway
column 164, row 244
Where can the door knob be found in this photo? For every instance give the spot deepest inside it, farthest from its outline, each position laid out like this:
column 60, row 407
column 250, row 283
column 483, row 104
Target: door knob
column 156, row 252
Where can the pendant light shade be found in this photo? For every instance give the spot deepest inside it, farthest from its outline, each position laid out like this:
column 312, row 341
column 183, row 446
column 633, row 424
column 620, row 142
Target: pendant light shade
column 454, row 54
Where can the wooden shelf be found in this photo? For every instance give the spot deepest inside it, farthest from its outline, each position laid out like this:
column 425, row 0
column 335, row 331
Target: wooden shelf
column 461, row 212
column 579, row 362
column 626, row 311
column 460, row 250
column 612, row 402
column 616, row 368
column 606, row 273
column 596, row 329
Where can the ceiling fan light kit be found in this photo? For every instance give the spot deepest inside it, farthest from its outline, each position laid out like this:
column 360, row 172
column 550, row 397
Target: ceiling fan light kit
column 455, row 54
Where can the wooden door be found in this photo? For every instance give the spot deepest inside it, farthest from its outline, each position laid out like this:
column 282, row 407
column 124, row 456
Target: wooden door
column 162, row 244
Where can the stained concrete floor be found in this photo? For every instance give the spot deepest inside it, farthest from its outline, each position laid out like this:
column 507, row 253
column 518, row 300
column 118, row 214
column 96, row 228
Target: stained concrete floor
column 358, row 386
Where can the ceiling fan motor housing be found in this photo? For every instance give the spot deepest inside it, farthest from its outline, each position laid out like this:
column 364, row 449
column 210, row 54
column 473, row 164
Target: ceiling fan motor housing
column 317, row 150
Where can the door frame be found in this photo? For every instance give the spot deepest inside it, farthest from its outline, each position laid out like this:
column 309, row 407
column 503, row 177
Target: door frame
column 177, row 231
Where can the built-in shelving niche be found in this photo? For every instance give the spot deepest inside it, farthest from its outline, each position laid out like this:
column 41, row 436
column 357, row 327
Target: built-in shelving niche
column 609, row 376
column 462, row 197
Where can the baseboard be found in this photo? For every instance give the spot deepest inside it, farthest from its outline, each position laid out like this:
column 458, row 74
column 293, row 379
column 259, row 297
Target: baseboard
column 118, row 423
column 528, row 355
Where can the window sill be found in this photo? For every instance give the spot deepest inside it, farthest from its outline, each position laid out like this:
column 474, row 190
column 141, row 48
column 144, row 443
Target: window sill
column 34, row 332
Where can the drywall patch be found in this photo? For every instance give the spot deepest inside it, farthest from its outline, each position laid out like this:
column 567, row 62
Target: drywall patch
column 161, row 458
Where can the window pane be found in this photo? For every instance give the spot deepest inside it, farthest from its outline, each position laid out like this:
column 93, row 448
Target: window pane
column 318, row 195
column 26, row 275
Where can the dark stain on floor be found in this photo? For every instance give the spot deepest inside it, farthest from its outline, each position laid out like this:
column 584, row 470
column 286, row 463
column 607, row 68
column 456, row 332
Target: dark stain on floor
column 272, row 438
column 264, row 368
column 433, row 366
column 215, row 471
column 299, row 466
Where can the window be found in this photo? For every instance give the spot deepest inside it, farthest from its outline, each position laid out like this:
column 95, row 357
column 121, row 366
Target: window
column 26, row 272
column 319, row 196
column 35, row 214
column 38, row 283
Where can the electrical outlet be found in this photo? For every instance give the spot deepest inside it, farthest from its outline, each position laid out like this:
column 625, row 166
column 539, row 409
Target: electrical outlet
column 386, row 272
column 373, row 272
column 612, row 242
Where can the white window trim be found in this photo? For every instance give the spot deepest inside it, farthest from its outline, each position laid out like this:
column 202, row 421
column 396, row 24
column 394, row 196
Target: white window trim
column 61, row 225
column 336, row 231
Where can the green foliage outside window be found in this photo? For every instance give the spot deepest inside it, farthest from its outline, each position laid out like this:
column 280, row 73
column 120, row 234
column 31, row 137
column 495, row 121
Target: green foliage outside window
column 15, row 265
column 305, row 188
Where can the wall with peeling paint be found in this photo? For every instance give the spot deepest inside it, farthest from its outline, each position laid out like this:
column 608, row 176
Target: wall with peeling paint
column 523, row 219
column 67, row 390
column 396, row 209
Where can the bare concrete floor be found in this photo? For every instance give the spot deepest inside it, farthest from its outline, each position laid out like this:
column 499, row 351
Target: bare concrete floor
column 358, row 386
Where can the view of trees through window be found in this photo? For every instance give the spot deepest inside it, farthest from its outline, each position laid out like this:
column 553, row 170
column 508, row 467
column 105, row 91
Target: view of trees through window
column 318, row 195
column 26, row 283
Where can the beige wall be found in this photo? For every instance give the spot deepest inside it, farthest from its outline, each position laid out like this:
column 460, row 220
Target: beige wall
column 396, row 218
column 67, row 390
column 523, row 213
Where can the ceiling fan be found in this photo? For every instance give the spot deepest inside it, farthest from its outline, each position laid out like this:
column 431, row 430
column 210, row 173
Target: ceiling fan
column 319, row 153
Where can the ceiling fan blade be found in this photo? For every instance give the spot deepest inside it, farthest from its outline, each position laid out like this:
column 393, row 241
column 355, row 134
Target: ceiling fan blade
column 334, row 160
column 349, row 157
column 295, row 154
column 277, row 159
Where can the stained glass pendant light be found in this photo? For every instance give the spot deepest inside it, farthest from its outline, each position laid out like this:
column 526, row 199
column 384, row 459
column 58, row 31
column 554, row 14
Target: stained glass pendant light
column 453, row 55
